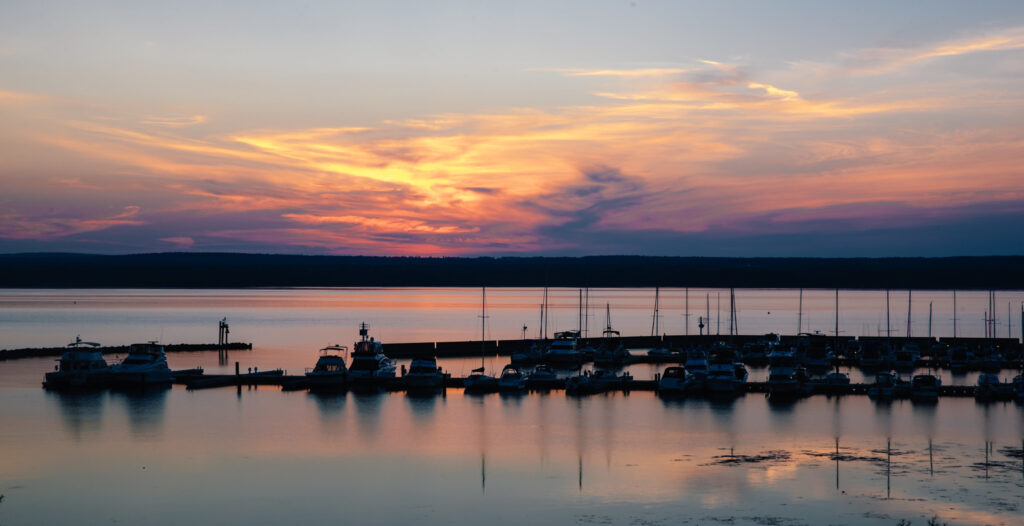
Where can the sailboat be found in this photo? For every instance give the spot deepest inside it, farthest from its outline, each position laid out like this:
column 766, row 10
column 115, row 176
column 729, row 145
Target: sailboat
column 661, row 350
column 611, row 352
column 479, row 382
column 533, row 352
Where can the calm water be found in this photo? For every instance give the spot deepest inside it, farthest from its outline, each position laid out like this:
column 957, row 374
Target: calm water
column 262, row 456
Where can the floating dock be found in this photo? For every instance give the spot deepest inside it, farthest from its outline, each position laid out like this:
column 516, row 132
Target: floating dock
column 295, row 382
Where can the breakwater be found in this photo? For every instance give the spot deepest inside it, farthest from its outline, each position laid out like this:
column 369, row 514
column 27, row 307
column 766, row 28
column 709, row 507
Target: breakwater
column 42, row 352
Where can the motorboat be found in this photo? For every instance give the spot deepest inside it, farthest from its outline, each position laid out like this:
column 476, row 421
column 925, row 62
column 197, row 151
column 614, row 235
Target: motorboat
column 530, row 354
column 330, row 371
column 874, row 357
column 604, row 380
column 925, row 388
column 783, row 380
column 424, row 374
column 989, row 387
column 884, row 387
column 722, row 373
column 1018, row 387
column 906, row 357
column 836, row 381
column 756, row 353
column 146, row 364
column 81, row 366
column 564, row 351
column 597, row 381
column 818, row 358
column 511, row 379
column 542, row 373
column 960, row 358
column 696, row 364
column 369, row 363
column 672, row 381
column 992, row 360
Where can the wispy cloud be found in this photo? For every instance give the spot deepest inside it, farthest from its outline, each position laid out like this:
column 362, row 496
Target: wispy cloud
column 876, row 61
column 627, row 73
column 174, row 121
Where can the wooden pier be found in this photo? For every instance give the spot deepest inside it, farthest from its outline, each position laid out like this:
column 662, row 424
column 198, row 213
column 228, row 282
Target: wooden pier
column 296, row 382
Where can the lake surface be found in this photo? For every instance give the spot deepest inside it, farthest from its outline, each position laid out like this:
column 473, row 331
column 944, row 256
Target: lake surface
column 263, row 456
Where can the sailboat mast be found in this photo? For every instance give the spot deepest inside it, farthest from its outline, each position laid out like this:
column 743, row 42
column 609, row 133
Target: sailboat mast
column 836, row 344
column 954, row 314
column 654, row 320
column 686, row 316
column 579, row 324
column 800, row 314
column 707, row 311
column 909, row 296
column 929, row 320
column 483, row 324
column 718, row 316
column 545, row 312
column 586, row 315
column 888, row 326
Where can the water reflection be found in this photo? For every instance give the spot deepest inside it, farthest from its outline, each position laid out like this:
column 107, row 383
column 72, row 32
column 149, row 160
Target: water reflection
column 81, row 412
column 423, row 405
column 368, row 412
column 330, row 404
column 146, row 407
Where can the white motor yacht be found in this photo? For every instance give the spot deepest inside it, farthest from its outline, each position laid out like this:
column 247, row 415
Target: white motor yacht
column 330, row 370
column 672, row 381
column 722, row 375
column 424, row 374
column 564, row 350
column 82, row 365
column 369, row 363
column 146, row 364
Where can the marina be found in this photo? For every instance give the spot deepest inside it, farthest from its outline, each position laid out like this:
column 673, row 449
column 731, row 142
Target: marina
column 620, row 448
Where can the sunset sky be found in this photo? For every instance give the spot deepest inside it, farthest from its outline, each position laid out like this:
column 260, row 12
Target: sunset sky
column 512, row 128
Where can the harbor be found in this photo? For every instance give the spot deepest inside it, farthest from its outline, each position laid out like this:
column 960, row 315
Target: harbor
column 251, row 419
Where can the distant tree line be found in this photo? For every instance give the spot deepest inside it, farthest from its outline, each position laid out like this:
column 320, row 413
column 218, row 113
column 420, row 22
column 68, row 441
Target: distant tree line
column 229, row 270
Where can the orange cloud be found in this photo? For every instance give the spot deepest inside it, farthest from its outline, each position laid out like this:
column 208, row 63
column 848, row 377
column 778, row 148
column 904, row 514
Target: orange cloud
column 688, row 149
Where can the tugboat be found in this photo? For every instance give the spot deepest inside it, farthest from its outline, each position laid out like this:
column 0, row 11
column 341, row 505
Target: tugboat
column 330, row 371
column 146, row 364
column 81, row 366
column 369, row 363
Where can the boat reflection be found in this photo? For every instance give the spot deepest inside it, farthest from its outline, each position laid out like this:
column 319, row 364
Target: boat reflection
column 331, row 404
column 369, row 406
column 81, row 412
column 423, row 405
column 146, row 406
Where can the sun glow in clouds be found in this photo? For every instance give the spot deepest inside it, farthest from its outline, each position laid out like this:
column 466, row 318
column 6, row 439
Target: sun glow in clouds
column 669, row 151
